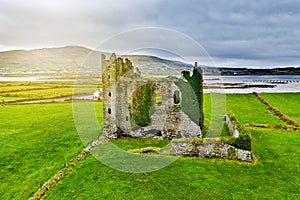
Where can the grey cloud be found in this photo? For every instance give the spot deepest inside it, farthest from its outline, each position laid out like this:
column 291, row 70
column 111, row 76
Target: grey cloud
column 233, row 32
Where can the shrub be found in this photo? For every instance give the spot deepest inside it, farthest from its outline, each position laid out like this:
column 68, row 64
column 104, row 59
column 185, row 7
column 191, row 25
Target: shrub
column 244, row 139
column 231, row 152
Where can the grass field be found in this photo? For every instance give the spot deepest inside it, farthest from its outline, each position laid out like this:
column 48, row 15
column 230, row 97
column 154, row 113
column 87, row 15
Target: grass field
column 36, row 140
column 275, row 177
column 287, row 103
column 249, row 110
column 23, row 91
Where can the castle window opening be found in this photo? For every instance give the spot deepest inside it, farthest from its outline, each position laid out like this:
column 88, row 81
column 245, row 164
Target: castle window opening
column 158, row 97
column 158, row 133
column 109, row 110
column 109, row 94
column 176, row 97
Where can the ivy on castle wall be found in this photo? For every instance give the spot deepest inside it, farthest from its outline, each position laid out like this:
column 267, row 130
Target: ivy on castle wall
column 192, row 95
column 142, row 101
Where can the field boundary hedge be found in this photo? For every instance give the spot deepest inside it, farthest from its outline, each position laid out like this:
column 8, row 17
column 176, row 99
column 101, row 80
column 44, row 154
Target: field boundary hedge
column 277, row 127
column 277, row 112
column 66, row 170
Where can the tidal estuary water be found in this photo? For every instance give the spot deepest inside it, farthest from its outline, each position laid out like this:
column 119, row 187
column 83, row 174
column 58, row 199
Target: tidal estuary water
column 217, row 84
column 249, row 84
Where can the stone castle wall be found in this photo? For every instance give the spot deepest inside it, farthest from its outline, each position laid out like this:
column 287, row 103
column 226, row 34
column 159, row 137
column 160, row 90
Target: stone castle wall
column 120, row 80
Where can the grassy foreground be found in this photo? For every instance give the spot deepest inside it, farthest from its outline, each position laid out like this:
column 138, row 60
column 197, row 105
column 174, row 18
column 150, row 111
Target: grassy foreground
column 36, row 140
column 275, row 177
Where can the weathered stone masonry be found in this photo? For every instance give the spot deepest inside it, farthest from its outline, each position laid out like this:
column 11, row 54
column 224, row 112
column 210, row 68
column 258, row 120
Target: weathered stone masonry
column 120, row 79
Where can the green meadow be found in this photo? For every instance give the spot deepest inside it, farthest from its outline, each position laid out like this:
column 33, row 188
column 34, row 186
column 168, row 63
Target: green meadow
column 276, row 176
column 26, row 91
column 37, row 140
column 287, row 103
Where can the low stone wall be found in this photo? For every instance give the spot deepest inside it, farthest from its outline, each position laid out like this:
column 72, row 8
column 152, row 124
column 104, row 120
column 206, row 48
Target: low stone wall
column 234, row 132
column 210, row 149
column 54, row 180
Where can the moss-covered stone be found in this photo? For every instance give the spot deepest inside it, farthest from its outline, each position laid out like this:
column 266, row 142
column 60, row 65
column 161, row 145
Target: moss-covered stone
column 142, row 101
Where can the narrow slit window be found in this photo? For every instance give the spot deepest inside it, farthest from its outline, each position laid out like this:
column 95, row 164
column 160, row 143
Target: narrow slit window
column 176, row 97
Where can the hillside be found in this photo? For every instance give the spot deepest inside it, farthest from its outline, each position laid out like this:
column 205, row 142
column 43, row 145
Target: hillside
column 67, row 60
column 46, row 60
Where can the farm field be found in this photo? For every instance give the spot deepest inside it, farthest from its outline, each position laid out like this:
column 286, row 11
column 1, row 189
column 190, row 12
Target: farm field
column 287, row 103
column 248, row 110
column 25, row 91
column 38, row 139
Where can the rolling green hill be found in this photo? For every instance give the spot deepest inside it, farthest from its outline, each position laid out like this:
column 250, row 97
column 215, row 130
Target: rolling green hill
column 67, row 60
column 46, row 60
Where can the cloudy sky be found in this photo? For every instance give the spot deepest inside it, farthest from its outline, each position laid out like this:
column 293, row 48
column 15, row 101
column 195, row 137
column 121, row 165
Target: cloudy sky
column 234, row 33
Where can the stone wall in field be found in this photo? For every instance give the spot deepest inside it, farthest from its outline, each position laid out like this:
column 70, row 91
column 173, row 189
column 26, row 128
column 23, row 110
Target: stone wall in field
column 277, row 112
column 234, row 132
column 210, row 149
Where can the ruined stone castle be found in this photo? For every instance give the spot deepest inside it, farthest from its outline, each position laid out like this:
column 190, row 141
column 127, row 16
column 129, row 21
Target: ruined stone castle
column 120, row 81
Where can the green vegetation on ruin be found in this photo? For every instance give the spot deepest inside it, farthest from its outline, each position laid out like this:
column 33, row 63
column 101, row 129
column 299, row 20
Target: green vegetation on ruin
column 142, row 101
column 193, row 88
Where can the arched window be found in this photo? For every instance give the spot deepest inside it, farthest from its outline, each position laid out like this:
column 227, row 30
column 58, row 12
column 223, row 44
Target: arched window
column 109, row 110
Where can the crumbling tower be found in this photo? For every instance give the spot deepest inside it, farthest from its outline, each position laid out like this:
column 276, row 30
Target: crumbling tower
column 118, row 79
column 109, row 94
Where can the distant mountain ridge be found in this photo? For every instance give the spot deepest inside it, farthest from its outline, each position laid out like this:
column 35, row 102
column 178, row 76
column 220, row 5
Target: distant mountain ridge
column 68, row 60
column 47, row 60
